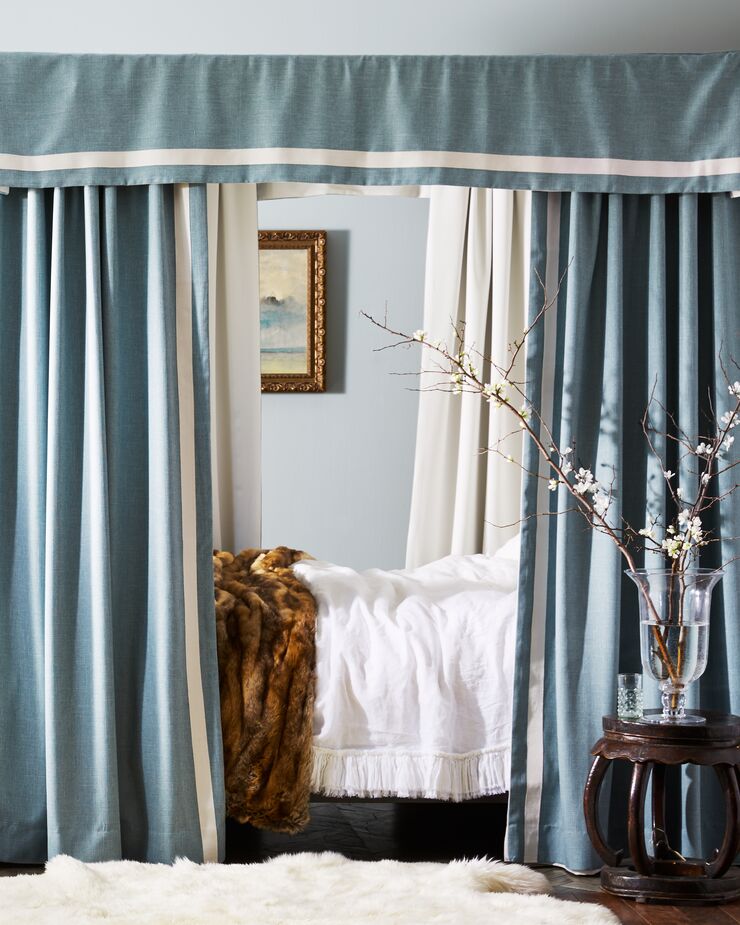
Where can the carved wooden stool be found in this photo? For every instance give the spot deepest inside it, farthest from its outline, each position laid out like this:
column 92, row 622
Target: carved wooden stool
column 665, row 875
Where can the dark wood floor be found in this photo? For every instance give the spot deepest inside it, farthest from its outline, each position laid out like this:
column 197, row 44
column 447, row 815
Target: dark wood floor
column 437, row 832
column 588, row 890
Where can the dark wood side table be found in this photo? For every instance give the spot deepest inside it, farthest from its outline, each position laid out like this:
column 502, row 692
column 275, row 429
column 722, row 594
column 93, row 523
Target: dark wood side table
column 665, row 875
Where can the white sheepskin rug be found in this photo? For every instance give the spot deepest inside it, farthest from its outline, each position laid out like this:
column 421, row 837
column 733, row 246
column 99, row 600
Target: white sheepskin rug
column 292, row 889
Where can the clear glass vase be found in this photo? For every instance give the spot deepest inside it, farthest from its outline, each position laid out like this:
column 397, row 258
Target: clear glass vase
column 674, row 633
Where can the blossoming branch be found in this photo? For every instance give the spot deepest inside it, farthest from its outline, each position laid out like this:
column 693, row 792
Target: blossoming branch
column 681, row 539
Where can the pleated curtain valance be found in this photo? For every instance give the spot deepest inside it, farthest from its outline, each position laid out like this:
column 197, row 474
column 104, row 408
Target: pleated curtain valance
column 657, row 123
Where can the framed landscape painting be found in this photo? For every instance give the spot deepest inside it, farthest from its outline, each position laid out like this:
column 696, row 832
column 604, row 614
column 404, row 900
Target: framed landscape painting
column 292, row 267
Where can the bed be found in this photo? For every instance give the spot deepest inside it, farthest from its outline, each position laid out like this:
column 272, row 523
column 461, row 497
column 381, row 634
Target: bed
column 372, row 684
column 414, row 678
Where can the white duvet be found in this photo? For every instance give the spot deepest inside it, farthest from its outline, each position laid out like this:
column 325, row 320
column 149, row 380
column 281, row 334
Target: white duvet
column 414, row 678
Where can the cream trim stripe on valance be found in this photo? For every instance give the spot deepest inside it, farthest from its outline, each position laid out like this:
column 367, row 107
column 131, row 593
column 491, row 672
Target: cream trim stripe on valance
column 625, row 123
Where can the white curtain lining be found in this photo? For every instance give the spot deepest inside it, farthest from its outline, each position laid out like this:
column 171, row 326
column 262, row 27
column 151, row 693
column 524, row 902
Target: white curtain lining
column 477, row 273
column 233, row 278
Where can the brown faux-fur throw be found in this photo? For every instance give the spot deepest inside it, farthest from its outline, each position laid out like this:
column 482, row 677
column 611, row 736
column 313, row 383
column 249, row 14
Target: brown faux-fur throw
column 266, row 626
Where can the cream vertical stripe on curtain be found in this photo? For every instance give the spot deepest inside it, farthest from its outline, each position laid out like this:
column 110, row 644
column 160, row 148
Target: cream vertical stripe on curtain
column 235, row 365
column 477, row 274
column 184, row 304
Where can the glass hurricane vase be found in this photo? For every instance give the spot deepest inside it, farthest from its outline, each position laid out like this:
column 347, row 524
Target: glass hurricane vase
column 674, row 633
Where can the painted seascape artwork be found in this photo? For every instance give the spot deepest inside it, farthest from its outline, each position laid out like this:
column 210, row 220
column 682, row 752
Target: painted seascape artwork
column 284, row 311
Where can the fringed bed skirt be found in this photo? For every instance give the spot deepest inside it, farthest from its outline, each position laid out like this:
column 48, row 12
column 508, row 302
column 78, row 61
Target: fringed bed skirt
column 411, row 775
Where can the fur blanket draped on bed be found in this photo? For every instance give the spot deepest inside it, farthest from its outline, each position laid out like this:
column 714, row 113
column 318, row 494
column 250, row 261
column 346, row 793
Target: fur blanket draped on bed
column 266, row 625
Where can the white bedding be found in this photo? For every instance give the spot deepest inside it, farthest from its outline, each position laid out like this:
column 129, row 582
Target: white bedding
column 414, row 678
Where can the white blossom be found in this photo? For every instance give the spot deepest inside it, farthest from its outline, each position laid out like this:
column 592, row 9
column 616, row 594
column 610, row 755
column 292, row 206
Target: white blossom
column 728, row 441
column 495, row 393
column 553, row 484
column 705, row 478
column 648, row 531
column 679, row 494
column 566, row 467
column 672, row 547
column 524, row 415
column 601, row 502
column 704, row 449
column 734, row 389
column 729, row 419
column 687, row 522
column 584, row 481
column 667, row 474
column 690, row 527
column 420, row 335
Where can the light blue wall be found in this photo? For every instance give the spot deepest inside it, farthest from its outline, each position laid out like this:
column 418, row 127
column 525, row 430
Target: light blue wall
column 487, row 27
column 337, row 466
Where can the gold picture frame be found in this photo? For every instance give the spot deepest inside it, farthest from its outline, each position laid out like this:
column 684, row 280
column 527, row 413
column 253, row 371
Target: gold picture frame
column 292, row 310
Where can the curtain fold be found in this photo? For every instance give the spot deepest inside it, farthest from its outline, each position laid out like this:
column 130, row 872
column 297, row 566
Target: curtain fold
column 649, row 301
column 110, row 725
column 477, row 272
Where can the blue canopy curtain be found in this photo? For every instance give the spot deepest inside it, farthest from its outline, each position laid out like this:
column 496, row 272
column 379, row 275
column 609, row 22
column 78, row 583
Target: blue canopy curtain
column 108, row 680
column 109, row 722
column 650, row 304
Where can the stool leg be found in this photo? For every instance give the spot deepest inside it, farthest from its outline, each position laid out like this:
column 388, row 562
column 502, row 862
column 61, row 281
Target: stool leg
column 590, row 810
column 636, row 819
column 660, row 841
column 661, row 848
column 728, row 778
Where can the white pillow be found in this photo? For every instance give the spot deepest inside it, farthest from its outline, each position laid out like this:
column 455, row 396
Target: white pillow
column 510, row 549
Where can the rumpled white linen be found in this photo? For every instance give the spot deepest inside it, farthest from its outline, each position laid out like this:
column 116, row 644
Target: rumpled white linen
column 414, row 677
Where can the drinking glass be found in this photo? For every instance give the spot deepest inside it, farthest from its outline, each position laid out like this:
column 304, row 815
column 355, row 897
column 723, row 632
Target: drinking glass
column 629, row 696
